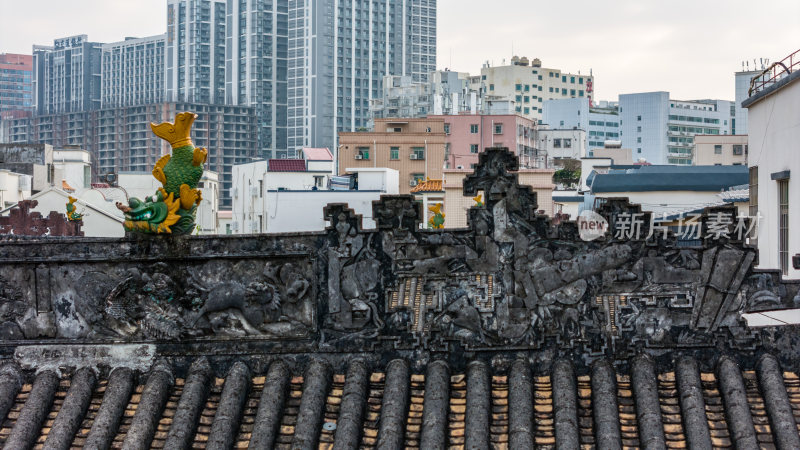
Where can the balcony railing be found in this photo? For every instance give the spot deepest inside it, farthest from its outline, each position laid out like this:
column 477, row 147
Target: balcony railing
column 774, row 73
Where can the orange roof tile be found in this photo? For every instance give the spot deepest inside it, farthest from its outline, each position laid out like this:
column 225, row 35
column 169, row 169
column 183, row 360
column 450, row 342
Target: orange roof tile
column 428, row 186
column 65, row 186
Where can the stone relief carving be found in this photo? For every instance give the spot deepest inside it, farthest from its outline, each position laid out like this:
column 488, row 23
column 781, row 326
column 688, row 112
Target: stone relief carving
column 514, row 280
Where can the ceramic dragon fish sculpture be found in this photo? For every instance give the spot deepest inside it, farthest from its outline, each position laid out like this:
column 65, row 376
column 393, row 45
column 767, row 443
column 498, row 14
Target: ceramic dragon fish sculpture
column 437, row 220
column 173, row 208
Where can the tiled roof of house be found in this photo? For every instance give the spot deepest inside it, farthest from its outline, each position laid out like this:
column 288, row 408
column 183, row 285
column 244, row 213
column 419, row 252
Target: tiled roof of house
column 315, row 406
column 317, row 154
column 428, row 186
column 286, row 165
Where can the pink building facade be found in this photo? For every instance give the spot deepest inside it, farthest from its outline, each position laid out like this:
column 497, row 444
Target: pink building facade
column 468, row 134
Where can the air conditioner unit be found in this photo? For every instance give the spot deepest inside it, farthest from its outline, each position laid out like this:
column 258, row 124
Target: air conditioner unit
column 413, row 183
column 459, row 167
column 413, row 156
column 235, row 193
column 254, row 226
column 235, row 226
column 254, row 191
column 359, row 157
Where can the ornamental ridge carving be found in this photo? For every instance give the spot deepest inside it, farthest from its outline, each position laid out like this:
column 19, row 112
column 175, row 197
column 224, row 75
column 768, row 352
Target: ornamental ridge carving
column 514, row 280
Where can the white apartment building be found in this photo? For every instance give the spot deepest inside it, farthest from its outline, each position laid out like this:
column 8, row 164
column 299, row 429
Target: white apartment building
column 661, row 130
column 132, row 72
column 600, row 120
column 561, row 143
column 530, row 85
column 284, row 200
column 773, row 112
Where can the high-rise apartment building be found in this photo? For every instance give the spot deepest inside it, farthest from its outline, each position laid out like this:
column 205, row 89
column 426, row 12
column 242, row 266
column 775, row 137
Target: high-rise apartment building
column 132, row 72
column 16, row 94
column 195, row 51
column 662, row 130
column 339, row 52
column 256, row 64
column 529, row 85
column 66, row 76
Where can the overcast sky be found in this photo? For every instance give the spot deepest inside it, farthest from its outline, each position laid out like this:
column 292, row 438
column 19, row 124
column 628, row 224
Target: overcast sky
column 688, row 47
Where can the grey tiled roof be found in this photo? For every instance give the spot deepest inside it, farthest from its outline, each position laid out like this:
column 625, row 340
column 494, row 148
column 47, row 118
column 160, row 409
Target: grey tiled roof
column 393, row 406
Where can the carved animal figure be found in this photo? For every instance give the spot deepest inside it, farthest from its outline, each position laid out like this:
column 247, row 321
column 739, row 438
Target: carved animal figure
column 235, row 299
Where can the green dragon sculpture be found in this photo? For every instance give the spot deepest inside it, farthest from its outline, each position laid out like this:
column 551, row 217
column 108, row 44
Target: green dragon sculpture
column 72, row 211
column 173, row 208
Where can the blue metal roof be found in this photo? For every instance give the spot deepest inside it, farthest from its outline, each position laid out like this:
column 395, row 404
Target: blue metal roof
column 671, row 178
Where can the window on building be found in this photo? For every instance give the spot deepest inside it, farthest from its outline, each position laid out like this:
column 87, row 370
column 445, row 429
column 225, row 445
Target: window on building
column 527, row 111
column 783, row 224
column 518, row 99
column 753, row 204
column 556, row 143
column 572, row 92
column 318, row 180
column 738, row 149
column 567, row 143
column 639, row 140
column 580, row 80
column 362, row 153
column 473, row 128
column 418, row 152
column 527, row 87
column 527, row 99
column 518, row 87
column 639, row 118
column 580, row 93
column 417, row 178
column 572, row 80
column 394, row 153
column 473, row 148
column 717, row 149
column 638, row 150
column 563, row 78
column 498, row 128
column 491, row 87
column 563, row 91
column 638, row 129
column 447, row 128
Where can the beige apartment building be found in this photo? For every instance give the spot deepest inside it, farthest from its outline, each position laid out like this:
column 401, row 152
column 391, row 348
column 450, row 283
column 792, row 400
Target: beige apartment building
column 456, row 204
column 529, row 85
column 413, row 147
column 720, row 149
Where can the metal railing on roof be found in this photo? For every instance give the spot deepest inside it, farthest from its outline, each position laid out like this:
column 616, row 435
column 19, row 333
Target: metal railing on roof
column 774, row 73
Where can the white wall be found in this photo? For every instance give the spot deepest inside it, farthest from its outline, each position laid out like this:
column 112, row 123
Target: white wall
column 75, row 166
column 96, row 223
column 774, row 128
column 10, row 192
column 380, row 179
column 284, row 215
column 670, row 202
